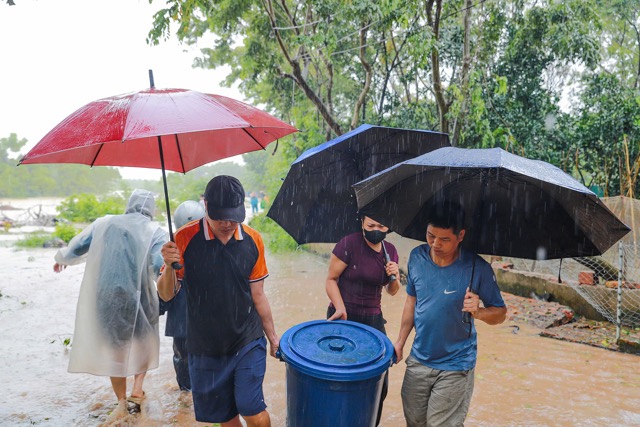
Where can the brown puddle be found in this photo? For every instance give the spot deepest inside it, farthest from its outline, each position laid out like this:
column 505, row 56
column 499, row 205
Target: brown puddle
column 521, row 379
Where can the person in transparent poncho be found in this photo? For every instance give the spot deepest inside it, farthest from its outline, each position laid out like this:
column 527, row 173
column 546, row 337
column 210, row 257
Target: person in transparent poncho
column 116, row 328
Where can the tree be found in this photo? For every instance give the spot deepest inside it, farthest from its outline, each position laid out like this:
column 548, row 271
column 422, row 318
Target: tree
column 522, row 80
column 49, row 179
column 329, row 53
column 489, row 73
column 621, row 37
column 608, row 133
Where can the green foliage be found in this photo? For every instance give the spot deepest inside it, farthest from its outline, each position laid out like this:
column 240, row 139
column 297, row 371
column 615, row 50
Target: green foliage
column 49, row 179
column 87, row 207
column 316, row 61
column 191, row 185
column 65, row 232
column 525, row 57
column 33, row 240
column 274, row 236
column 610, row 112
column 621, row 53
column 518, row 98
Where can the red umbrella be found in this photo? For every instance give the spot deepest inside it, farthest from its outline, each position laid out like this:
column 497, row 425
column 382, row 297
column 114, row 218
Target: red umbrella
column 192, row 128
column 168, row 129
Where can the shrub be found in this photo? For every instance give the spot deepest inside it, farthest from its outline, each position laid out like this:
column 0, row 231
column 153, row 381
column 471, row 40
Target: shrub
column 87, row 208
column 275, row 237
column 65, row 232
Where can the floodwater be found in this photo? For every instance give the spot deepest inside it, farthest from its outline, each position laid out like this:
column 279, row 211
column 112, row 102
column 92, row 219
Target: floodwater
column 521, row 379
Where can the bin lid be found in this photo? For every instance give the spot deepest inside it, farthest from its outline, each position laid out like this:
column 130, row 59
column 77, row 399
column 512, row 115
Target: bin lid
column 339, row 350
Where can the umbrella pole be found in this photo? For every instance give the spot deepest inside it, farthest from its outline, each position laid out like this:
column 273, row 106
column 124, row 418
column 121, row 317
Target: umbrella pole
column 393, row 277
column 175, row 265
column 477, row 217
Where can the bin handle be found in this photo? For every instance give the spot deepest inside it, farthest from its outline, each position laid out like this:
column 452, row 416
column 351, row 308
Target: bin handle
column 279, row 355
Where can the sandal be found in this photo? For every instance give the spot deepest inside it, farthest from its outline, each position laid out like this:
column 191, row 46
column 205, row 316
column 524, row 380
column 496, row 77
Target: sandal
column 135, row 403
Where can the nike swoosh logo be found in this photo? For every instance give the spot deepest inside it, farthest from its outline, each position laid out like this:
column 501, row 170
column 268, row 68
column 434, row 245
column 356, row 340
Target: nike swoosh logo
column 449, row 292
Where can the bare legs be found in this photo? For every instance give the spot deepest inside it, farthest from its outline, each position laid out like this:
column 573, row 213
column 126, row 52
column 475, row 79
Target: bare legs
column 137, row 391
column 260, row 420
column 233, row 423
column 119, row 385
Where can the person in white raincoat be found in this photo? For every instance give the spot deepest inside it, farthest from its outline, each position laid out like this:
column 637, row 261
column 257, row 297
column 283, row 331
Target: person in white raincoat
column 116, row 329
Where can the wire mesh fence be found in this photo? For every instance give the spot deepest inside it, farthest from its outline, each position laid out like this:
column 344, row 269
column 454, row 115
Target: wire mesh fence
column 630, row 285
column 610, row 283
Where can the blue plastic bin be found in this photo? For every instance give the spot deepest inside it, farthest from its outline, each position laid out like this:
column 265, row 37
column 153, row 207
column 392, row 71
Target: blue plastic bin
column 335, row 373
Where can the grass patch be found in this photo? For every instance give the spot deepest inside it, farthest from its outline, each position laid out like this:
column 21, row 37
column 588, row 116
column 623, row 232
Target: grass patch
column 34, row 240
column 37, row 239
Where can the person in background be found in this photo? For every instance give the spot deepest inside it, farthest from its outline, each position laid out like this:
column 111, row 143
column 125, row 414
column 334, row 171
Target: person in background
column 176, row 308
column 254, row 202
column 228, row 314
column 264, row 201
column 116, row 327
column 439, row 378
column 358, row 270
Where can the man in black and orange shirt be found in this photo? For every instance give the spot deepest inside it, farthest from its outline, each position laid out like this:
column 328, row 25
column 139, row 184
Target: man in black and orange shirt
column 228, row 313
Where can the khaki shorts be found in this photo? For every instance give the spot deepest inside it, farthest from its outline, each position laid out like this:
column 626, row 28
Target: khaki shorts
column 431, row 397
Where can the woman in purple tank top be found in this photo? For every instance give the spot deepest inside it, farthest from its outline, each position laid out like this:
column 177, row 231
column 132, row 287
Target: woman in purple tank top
column 361, row 265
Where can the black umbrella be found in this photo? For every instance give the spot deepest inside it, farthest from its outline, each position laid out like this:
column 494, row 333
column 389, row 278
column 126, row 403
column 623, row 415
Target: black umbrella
column 514, row 206
column 316, row 202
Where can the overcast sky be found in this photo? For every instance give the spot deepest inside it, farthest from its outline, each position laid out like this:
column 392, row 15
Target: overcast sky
column 58, row 55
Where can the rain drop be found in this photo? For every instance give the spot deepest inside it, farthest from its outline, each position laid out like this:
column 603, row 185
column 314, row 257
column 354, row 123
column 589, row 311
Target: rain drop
column 541, row 253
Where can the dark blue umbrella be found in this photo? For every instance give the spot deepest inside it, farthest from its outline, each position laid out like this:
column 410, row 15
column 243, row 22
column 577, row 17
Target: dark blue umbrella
column 514, row 206
column 316, row 202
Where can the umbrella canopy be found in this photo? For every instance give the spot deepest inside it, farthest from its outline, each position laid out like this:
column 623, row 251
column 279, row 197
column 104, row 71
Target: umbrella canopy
column 124, row 130
column 316, row 202
column 513, row 206
column 168, row 129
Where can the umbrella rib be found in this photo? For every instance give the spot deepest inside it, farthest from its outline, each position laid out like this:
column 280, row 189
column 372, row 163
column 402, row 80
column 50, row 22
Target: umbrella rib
column 251, row 136
column 180, row 153
column 96, row 156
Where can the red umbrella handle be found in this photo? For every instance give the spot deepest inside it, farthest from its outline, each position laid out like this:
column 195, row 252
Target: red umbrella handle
column 175, row 265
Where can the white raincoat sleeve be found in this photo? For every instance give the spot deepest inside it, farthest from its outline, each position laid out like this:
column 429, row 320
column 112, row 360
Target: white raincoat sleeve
column 76, row 250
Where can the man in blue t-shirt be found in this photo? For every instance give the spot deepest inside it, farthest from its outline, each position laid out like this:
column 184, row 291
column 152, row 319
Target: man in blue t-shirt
column 438, row 382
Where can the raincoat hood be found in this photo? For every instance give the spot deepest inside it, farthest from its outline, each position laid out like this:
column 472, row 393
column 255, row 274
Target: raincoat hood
column 141, row 201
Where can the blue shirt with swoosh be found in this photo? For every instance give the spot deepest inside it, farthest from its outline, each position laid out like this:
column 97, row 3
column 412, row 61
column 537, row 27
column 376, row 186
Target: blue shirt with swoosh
column 442, row 339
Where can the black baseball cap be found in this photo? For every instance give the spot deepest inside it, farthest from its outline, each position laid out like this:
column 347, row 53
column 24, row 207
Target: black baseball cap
column 225, row 199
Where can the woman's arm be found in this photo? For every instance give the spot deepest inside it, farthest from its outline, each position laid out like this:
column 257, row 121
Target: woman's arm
column 336, row 268
column 391, row 268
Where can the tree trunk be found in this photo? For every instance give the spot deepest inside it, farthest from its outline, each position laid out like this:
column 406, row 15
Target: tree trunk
column 434, row 22
column 466, row 67
column 367, row 77
column 299, row 78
